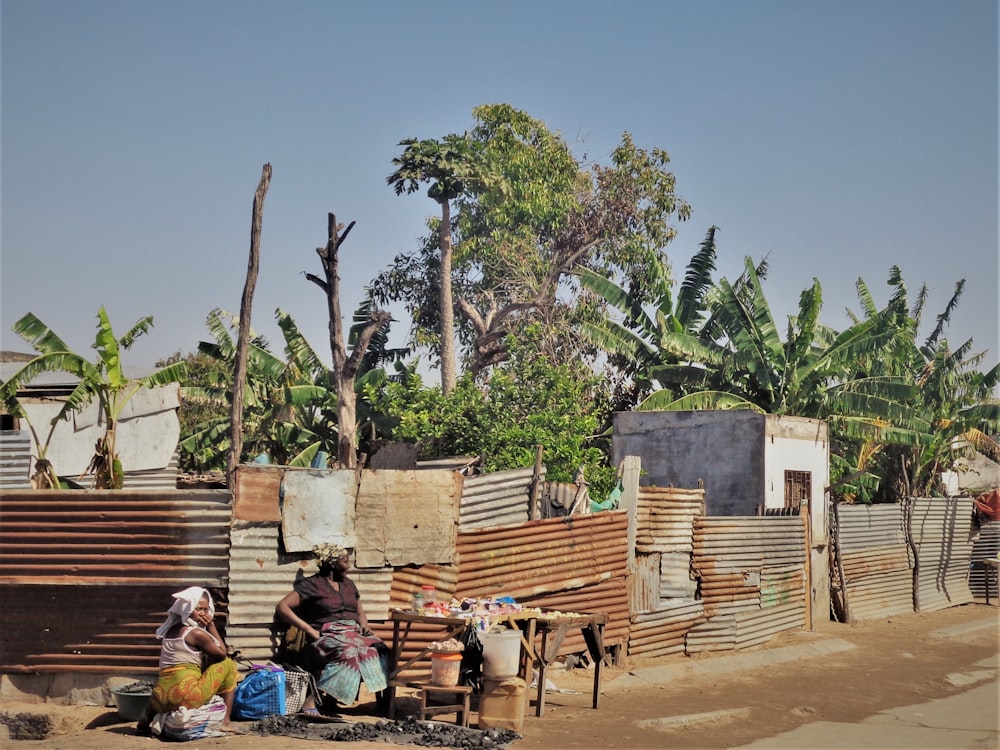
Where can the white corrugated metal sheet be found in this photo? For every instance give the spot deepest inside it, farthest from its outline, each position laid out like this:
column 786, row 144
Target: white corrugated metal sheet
column 941, row 530
column 496, row 499
column 15, row 460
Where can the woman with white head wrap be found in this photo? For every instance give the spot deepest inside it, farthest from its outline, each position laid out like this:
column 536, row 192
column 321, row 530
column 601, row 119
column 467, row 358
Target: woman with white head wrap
column 189, row 639
column 340, row 649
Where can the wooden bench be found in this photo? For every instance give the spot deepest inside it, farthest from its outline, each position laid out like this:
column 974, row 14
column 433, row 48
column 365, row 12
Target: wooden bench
column 426, row 691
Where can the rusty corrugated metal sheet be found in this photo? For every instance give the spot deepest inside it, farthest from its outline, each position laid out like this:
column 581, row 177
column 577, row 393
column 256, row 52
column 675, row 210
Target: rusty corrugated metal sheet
column 664, row 631
column 408, row 580
column 608, row 597
column 646, row 583
column 576, row 563
column 542, row 557
column 123, row 537
column 257, row 493
column 941, row 530
column 872, row 550
column 494, row 499
column 744, row 629
column 664, row 517
column 751, row 578
column 87, row 628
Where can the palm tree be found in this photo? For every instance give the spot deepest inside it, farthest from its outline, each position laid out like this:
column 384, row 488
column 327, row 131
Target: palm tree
column 104, row 380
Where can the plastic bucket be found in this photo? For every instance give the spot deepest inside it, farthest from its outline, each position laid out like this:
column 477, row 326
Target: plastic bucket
column 501, row 653
column 501, row 704
column 132, row 701
column 445, row 669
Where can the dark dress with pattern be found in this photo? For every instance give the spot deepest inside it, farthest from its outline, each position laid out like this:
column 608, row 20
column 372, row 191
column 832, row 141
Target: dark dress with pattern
column 342, row 657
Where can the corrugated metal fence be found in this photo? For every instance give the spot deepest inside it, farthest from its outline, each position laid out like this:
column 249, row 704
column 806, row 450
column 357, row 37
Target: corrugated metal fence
column 86, row 576
column 941, row 532
column 752, row 580
column 986, row 544
column 712, row 584
column 897, row 558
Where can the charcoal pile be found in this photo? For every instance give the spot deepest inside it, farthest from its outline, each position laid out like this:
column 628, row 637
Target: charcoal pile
column 409, row 732
column 426, row 734
column 27, row 726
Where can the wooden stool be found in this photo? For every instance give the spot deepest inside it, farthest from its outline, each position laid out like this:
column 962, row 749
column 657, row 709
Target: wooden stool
column 427, row 690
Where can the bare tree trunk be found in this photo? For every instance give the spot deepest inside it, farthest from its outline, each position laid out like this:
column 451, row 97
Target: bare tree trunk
column 447, row 313
column 243, row 341
column 345, row 367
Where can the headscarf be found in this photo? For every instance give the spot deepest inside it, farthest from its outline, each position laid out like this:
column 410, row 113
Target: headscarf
column 181, row 611
column 328, row 554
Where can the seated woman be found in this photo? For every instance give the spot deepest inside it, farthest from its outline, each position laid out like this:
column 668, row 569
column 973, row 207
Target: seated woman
column 189, row 641
column 337, row 645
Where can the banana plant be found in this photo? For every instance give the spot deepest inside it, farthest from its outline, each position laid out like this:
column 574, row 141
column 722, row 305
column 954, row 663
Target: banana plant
column 104, row 380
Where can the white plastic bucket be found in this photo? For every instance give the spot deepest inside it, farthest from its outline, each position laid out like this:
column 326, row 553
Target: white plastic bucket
column 501, row 653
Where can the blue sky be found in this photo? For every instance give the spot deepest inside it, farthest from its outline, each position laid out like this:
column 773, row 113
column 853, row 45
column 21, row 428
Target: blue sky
column 838, row 139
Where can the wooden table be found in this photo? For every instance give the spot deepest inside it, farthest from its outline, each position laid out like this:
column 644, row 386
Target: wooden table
column 991, row 564
column 552, row 626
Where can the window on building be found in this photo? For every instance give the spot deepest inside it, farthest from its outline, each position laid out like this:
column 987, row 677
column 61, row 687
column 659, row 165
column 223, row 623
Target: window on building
column 798, row 487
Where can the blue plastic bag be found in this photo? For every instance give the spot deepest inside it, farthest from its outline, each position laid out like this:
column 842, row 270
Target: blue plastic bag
column 260, row 694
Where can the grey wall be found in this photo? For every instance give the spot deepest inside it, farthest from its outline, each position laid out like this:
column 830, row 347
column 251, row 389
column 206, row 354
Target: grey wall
column 723, row 448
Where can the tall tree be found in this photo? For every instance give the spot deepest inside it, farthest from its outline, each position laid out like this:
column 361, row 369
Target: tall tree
column 104, row 380
column 447, row 165
column 246, row 306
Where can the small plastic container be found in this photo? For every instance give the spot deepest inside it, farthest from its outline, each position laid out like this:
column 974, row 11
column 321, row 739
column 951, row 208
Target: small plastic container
column 418, row 603
column 446, row 668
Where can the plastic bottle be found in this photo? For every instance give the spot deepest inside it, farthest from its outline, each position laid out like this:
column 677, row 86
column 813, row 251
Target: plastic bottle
column 418, row 603
column 429, row 594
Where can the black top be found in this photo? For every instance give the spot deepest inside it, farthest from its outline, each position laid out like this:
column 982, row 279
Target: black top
column 319, row 603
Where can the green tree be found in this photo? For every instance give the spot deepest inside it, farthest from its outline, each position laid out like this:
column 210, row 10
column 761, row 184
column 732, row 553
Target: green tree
column 525, row 402
column 447, row 165
column 636, row 341
column 104, row 380
column 291, row 405
column 539, row 217
column 719, row 348
column 287, row 405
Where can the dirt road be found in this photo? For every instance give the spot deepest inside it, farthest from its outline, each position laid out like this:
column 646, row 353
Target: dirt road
column 870, row 667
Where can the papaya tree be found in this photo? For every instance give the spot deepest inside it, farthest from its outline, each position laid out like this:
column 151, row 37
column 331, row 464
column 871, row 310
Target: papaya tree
column 447, row 165
column 103, row 380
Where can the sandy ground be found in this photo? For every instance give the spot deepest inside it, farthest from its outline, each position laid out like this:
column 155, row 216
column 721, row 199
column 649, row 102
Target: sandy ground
column 896, row 662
